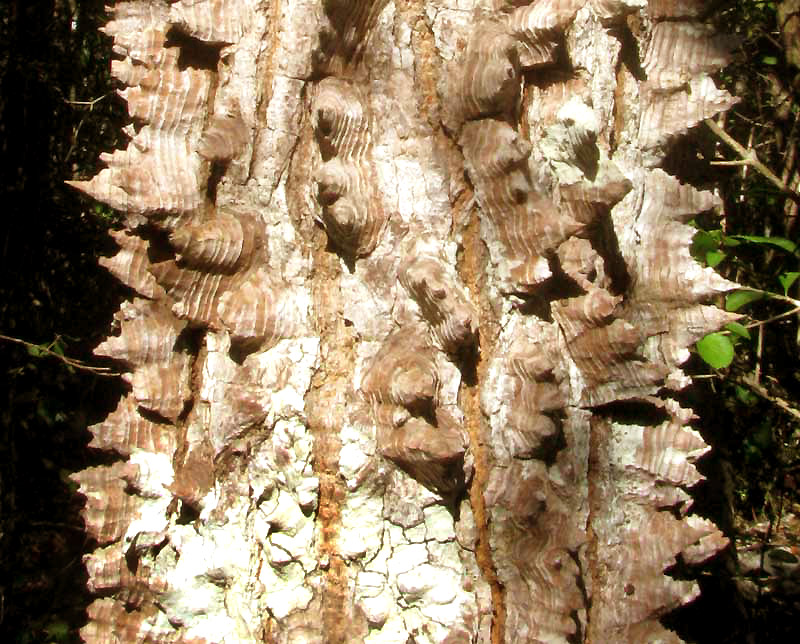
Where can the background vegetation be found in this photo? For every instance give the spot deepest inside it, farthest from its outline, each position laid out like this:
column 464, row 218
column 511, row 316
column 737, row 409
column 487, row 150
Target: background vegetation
column 747, row 378
column 57, row 113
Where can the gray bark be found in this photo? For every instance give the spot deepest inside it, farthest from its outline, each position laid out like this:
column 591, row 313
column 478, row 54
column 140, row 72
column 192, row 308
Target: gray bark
column 412, row 296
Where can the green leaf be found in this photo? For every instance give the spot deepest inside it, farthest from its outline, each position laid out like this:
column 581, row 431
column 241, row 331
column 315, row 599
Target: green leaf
column 762, row 437
column 34, row 351
column 716, row 349
column 705, row 242
column 57, row 630
column 24, row 638
column 746, row 396
column 43, row 413
column 738, row 329
column 714, row 257
column 769, row 60
column 787, row 279
column 64, row 475
column 736, row 300
column 58, row 347
column 781, row 242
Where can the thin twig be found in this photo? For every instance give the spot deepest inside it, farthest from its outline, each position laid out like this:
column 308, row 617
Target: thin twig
column 751, row 158
column 55, row 524
column 773, row 296
column 746, row 167
column 91, row 103
column 773, row 318
column 72, row 362
column 789, row 174
column 759, row 352
column 734, row 163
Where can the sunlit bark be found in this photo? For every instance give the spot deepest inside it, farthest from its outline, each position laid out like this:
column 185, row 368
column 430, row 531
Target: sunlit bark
column 412, row 297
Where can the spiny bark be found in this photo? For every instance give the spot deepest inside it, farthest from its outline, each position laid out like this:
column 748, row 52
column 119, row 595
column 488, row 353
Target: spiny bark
column 413, row 294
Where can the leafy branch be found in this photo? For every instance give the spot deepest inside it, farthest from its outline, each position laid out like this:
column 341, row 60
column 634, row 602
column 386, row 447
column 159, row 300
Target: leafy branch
column 712, row 247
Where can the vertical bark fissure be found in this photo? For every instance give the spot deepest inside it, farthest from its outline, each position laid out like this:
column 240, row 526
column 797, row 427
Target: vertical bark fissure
column 326, row 403
column 191, row 409
column 330, row 390
column 424, row 48
column 471, row 271
column 265, row 66
column 592, row 571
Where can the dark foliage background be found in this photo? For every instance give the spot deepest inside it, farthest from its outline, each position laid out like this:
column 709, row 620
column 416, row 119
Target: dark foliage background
column 58, row 112
column 748, row 410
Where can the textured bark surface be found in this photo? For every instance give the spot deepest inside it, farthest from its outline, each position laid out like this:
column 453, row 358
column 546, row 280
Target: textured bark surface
column 412, row 295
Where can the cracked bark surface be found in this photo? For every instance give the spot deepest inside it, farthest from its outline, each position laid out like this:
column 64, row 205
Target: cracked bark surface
column 412, row 295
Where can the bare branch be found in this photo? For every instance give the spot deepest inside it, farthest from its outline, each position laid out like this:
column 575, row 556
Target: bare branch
column 89, row 104
column 773, row 318
column 750, row 158
column 72, row 362
column 761, row 391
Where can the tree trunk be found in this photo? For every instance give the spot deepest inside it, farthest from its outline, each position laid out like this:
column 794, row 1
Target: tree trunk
column 412, row 293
